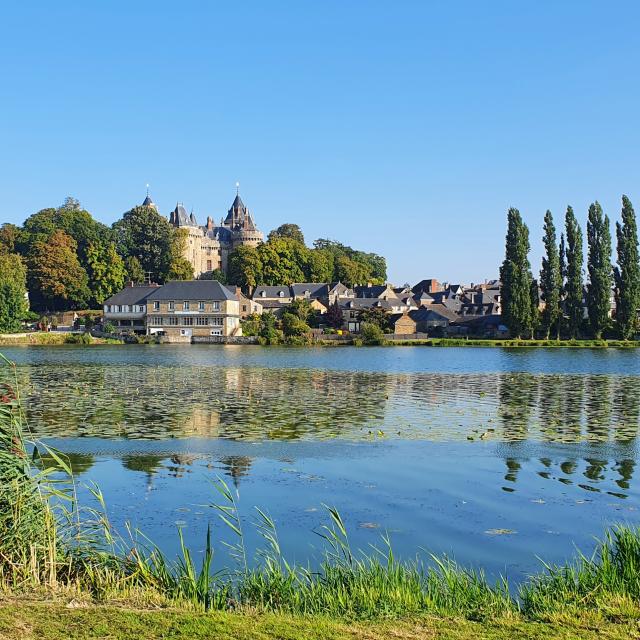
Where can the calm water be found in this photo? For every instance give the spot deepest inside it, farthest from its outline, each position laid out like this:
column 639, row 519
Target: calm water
column 492, row 456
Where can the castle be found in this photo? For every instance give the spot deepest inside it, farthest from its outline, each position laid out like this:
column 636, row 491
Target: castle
column 208, row 246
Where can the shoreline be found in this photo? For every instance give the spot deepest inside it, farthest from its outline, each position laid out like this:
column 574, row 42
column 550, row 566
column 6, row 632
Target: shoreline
column 66, row 338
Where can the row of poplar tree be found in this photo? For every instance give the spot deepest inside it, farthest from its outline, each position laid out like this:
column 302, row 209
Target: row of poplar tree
column 555, row 304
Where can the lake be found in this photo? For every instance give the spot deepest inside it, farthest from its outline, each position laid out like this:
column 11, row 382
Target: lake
column 493, row 456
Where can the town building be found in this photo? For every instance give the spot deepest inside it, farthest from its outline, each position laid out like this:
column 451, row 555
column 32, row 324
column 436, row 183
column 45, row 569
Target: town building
column 127, row 309
column 193, row 308
column 208, row 246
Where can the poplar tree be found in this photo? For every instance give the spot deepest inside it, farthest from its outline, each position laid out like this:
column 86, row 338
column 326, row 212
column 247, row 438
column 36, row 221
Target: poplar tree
column 627, row 274
column 574, row 264
column 550, row 279
column 599, row 268
column 515, row 276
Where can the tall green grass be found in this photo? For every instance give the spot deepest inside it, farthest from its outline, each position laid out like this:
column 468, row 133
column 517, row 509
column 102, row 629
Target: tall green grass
column 48, row 542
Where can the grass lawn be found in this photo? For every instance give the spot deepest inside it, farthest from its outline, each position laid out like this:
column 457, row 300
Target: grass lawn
column 46, row 621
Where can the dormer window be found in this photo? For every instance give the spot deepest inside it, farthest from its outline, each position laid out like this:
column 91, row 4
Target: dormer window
column 281, row 294
column 263, row 294
column 307, row 293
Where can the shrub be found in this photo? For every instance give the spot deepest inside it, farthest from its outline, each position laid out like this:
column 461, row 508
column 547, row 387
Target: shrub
column 372, row 334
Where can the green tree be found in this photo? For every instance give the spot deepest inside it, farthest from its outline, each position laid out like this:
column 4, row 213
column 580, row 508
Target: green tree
column 351, row 272
column 550, row 279
column 599, row 268
column 14, row 305
column 320, row 266
column 371, row 334
column 627, row 273
column 179, row 267
column 134, row 270
column 301, row 308
column 282, row 261
column 534, row 300
column 287, row 230
column 376, row 316
column 9, row 235
column 244, row 268
column 574, row 265
column 515, row 276
column 144, row 234
column 106, row 271
column 216, row 274
column 268, row 330
column 293, row 325
column 56, row 279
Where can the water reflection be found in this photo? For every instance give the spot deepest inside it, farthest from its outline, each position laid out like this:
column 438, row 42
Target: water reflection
column 141, row 402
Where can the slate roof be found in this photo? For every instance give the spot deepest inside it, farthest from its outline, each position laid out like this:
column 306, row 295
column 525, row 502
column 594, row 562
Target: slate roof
column 272, row 292
column 433, row 312
column 371, row 292
column 193, row 290
column 315, row 289
column 365, row 303
column 132, row 295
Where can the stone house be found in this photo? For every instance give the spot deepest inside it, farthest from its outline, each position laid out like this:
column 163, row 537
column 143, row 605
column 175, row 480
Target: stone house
column 402, row 324
column 127, row 309
column 193, row 308
column 247, row 305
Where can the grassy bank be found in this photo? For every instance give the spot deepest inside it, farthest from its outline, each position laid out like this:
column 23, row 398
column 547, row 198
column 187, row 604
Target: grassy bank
column 485, row 342
column 54, row 550
column 75, row 620
column 53, row 338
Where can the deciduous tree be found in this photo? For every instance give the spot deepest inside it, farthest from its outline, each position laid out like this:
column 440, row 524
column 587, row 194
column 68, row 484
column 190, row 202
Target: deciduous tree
column 56, row 278
column 550, row 279
column 106, row 271
column 574, row 267
column 515, row 276
column 627, row 273
column 599, row 268
column 14, row 305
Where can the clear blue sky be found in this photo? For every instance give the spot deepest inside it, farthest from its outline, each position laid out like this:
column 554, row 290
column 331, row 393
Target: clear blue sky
column 404, row 128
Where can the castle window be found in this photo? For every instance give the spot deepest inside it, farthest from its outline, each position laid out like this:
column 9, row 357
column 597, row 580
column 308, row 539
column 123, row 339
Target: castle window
column 156, row 306
column 201, row 305
column 209, row 264
column 173, row 320
column 187, row 322
column 185, row 305
column 202, row 321
column 244, row 307
column 172, row 305
column 216, row 305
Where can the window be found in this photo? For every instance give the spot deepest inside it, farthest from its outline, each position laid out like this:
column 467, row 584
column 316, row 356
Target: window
column 185, row 305
column 244, row 307
column 202, row 321
column 281, row 294
column 209, row 265
column 173, row 320
column 201, row 305
column 187, row 322
column 156, row 306
column 216, row 305
column 263, row 294
column 155, row 320
column 119, row 308
column 172, row 305
column 216, row 322
column 106, row 308
column 126, row 308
